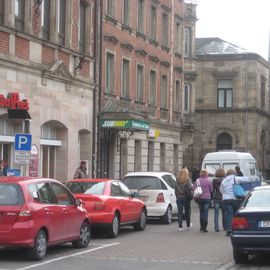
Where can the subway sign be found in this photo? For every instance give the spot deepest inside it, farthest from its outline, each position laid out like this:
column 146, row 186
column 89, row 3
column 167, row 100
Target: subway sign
column 125, row 124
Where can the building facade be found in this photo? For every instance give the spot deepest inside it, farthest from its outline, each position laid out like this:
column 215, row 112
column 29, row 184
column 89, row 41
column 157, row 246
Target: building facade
column 232, row 102
column 147, row 85
column 47, row 84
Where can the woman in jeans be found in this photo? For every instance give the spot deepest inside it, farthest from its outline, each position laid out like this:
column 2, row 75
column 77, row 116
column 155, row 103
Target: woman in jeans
column 182, row 190
column 217, row 198
column 205, row 199
column 229, row 201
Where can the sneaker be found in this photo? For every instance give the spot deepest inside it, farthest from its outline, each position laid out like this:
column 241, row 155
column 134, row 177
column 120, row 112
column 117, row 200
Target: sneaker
column 189, row 228
column 217, row 230
column 180, row 229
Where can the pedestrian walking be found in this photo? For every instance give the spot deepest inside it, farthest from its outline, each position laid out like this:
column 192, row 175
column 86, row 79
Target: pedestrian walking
column 238, row 172
column 229, row 201
column 2, row 164
column 204, row 201
column 183, row 193
column 81, row 171
column 217, row 198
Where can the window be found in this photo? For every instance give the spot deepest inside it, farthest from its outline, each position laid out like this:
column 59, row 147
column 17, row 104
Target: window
column 225, row 90
column 150, row 161
column 153, row 26
column 187, row 42
column 48, row 161
column 141, row 16
column 115, row 190
column 61, row 18
column 45, row 19
column 164, row 89
column 162, row 156
column 140, row 82
column 2, row 11
column 126, row 12
column 137, row 158
column 165, row 28
column 224, row 141
column 153, row 87
column 178, row 37
column 187, row 94
column 42, row 193
column 19, row 14
column 177, row 96
column 125, row 78
column 125, row 190
column 111, row 8
column 63, row 196
column 110, row 72
column 82, row 26
column 263, row 82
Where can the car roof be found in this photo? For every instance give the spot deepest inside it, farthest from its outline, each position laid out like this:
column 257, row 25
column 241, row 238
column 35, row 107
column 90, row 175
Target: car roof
column 92, row 180
column 19, row 179
column 155, row 174
column 262, row 187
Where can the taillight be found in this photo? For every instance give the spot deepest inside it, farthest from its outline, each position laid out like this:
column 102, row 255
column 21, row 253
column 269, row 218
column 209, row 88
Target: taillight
column 24, row 215
column 239, row 223
column 160, row 198
column 99, row 206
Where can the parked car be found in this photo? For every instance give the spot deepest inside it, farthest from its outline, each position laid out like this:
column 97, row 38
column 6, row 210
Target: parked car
column 38, row 212
column 110, row 204
column 251, row 225
column 157, row 189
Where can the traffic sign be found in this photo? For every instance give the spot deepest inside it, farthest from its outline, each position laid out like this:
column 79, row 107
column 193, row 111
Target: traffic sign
column 22, row 157
column 23, row 142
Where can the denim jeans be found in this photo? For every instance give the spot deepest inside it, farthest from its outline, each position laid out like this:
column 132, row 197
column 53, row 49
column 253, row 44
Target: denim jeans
column 204, row 205
column 183, row 203
column 230, row 207
column 218, row 206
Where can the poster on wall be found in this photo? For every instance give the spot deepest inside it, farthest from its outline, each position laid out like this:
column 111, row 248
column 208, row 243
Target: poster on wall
column 33, row 165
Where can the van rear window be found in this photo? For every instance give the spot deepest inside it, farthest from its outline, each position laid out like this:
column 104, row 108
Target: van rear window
column 211, row 168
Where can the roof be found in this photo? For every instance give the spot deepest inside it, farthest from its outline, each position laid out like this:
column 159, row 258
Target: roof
column 17, row 179
column 227, row 155
column 217, row 46
column 155, row 174
column 91, row 180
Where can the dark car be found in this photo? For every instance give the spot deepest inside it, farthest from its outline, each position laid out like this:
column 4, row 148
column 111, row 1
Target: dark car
column 251, row 225
column 37, row 212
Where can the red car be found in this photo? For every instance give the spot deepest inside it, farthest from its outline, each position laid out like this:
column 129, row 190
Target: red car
column 109, row 203
column 37, row 213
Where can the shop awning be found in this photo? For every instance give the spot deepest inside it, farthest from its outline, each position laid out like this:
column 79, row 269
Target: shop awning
column 18, row 114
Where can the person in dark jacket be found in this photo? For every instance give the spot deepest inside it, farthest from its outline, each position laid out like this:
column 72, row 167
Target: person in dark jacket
column 81, row 171
column 238, row 172
column 2, row 164
column 217, row 198
column 183, row 193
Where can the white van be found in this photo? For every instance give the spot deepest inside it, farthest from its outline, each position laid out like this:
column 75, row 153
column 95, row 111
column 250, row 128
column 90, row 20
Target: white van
column 230, row 159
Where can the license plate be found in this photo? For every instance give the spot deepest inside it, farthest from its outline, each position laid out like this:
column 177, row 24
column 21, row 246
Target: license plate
column 264, row 224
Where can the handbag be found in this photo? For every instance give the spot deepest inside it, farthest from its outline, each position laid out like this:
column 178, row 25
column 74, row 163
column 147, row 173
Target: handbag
column 238, row 190
column 198, row 190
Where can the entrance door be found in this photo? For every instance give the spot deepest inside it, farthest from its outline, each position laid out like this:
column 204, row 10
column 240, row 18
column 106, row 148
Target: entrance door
column 48, row 161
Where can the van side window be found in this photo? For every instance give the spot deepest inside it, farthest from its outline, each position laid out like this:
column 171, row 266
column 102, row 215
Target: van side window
column 252, row 168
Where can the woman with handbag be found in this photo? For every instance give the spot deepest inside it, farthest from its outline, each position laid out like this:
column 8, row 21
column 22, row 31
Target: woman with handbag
column 229, row 200
column 203, row 197
column 183, row 193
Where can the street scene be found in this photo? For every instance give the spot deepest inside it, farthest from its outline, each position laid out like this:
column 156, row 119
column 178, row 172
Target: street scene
column 158, row 247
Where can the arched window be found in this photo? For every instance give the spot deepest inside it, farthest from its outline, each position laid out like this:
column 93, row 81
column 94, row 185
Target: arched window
column 224, row 141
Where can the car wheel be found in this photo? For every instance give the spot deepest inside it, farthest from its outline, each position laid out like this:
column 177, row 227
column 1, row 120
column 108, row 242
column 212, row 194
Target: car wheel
column 167, row 218
column 240, row 257
column 85, row 236
column 140, row 225
column 38, row 252
column 114, row 227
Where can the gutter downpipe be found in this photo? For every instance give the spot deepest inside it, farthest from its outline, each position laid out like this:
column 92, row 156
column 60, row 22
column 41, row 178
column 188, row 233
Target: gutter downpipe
column 246, row 104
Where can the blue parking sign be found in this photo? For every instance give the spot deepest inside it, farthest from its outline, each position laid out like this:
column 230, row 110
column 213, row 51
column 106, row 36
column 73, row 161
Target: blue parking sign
column 23, row 142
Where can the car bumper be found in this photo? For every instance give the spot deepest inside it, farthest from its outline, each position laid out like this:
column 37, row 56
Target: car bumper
column 156, row 211
column 250, row 242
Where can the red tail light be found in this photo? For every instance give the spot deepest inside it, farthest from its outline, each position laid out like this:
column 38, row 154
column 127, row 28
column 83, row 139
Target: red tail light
column 99, row 206
column 160, row 198
column 239, row 223
column 24, row 215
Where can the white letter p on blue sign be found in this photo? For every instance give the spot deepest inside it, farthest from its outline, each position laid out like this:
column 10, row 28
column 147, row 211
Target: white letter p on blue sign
column 23, row 142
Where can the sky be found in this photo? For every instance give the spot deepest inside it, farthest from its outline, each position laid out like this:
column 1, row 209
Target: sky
column 245, row 23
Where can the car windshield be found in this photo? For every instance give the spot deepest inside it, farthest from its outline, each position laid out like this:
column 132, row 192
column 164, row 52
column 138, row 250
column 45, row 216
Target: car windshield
column 258, row 198
column 10, row 194
column 96, row 188
column 142, row 182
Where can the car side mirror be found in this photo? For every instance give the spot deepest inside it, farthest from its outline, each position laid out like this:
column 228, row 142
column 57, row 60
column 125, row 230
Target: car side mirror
column 135, row 194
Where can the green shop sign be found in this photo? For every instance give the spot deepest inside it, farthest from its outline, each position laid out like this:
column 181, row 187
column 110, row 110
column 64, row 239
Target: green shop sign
column 125, row 124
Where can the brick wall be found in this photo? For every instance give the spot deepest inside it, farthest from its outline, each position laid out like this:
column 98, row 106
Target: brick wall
column 48, row 55
column 4, row 42
column 22, row 48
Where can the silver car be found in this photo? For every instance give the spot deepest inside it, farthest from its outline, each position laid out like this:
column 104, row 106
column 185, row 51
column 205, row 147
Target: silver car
column 156, row 189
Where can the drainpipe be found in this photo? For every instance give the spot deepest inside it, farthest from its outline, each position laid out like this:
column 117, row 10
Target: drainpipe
column 246, row 104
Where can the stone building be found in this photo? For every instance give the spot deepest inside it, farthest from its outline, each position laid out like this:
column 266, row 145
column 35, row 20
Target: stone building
column 47, row 79
column 147, row 78
column 232, row 102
